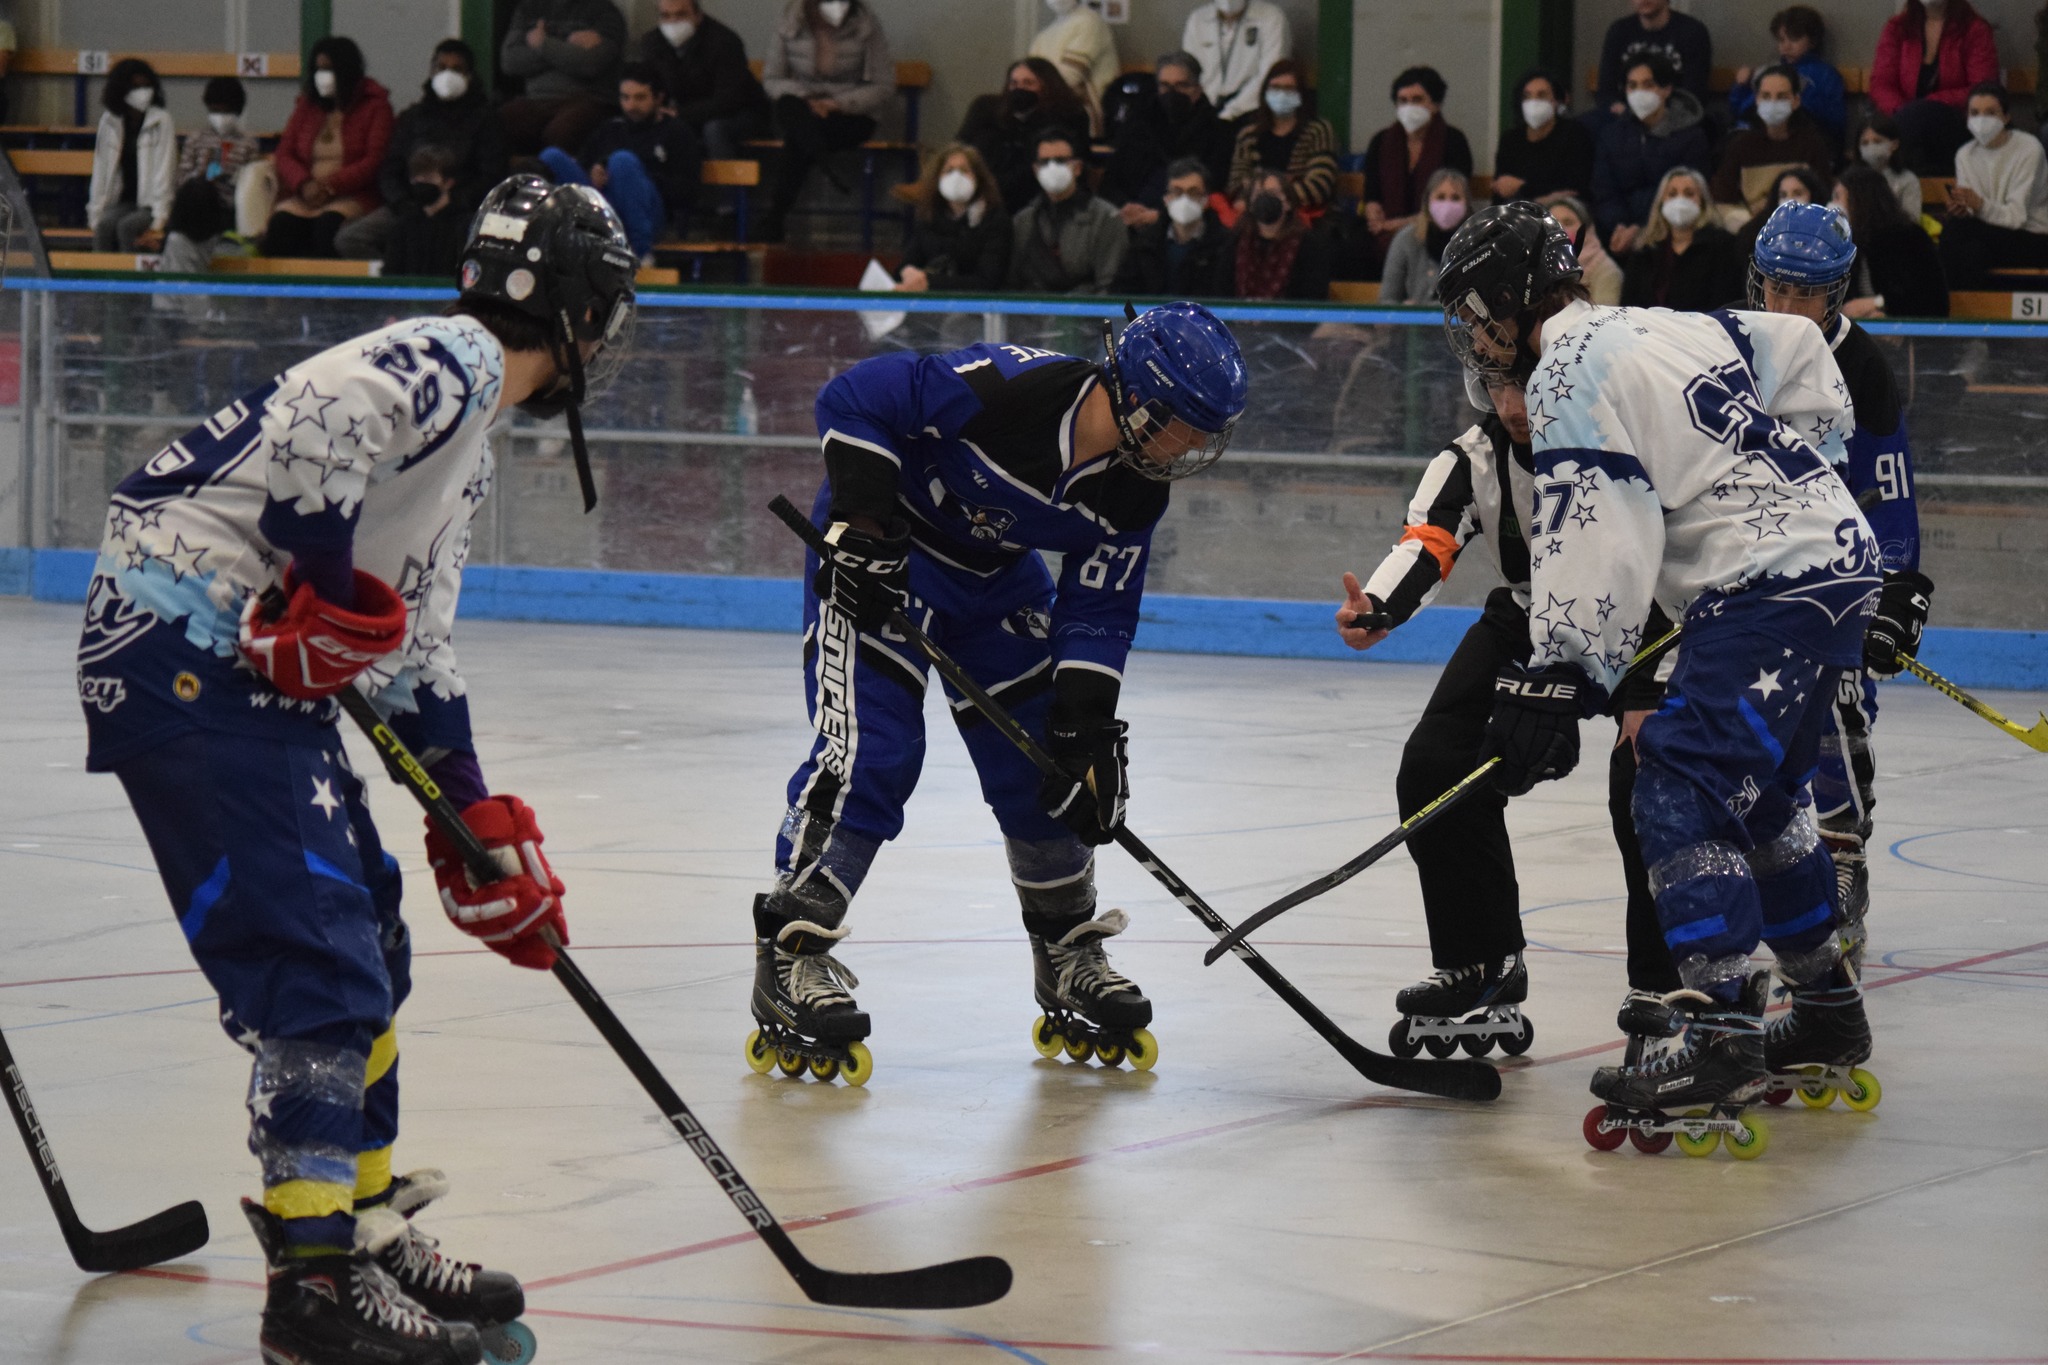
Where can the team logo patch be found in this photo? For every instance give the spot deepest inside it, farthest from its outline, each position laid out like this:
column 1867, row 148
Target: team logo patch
column 988, row 523
column 185, row 687
column 471, row 273
column 104, row 693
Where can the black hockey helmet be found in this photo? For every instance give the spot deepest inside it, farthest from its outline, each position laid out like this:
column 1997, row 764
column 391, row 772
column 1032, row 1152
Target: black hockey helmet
column 1494, row 269
column 558, row 254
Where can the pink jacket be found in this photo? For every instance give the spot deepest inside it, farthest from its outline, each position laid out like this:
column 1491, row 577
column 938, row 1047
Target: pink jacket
column 1968, row 54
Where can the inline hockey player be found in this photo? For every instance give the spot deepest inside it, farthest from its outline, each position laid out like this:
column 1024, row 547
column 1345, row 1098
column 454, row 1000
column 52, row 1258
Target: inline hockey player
column 944, row 475
column 343, row 491
column 1683, row 458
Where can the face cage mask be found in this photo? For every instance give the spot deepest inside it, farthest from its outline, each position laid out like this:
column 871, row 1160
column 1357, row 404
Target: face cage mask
column 1837, row 292
column 1207, row 449
column 1487, row 361
column 579, row 383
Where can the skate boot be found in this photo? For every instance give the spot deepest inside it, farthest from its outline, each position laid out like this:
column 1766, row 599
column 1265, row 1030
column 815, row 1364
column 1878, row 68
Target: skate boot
column 1814, row 1048
column 1650, row 1022
column 802, row 1002
column 1719, row 1065
column 345, row 1309
column 1491, row 993
column 1852, row 890
column 454, row 1291
column 1091, row 1009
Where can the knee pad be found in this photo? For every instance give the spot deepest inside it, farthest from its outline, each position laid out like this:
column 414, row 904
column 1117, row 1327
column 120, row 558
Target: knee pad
column 1705, row 902
column 824, row 864
column 1055, row 880
column 306, row 1112
column 1796, row 887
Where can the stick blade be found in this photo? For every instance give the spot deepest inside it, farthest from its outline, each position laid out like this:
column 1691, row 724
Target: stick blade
column 2037, row 738
column 163, row 1237
column 955, row 1284
column 1450, row 1080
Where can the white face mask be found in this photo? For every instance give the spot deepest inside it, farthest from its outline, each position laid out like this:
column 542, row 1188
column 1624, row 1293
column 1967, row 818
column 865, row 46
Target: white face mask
column 1184, row 209
column 141, row 97
column 1985, row 128
column 226, row 125
column 323, row 84
column 1230, row 9
column 1283, row 102
column 449, row 85
column 1411, row 117
column 1538, row 113
column 834, row 11
column 1877, row 154
column 1061, row 8
column 1681, row 213
column 1056, row 177
column 678, row 31
column 1774, row 113
column 1643, row 103
column 956, row 187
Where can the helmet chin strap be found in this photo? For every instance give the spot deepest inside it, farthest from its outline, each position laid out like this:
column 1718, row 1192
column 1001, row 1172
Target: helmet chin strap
column 570, row 358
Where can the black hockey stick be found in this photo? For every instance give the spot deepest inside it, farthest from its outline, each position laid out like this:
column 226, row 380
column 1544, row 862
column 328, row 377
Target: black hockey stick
column 955, row 1284
column 1330, row 881
column 1458, row 1080
column 164, row 1237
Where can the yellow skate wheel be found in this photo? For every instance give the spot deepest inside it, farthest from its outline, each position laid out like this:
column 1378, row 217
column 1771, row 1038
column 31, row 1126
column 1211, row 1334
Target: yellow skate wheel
column 1109, row 1054
column 1046, row 1038
column 1080, row 1049
column 1143, row 1051
column 859, row 1064
column 760, row 1056
column 824, row 1068
column 1703, row 1145
column 1751, row 1147
column 1864, row 1092
column 1815, row 1093
column 791, row 1063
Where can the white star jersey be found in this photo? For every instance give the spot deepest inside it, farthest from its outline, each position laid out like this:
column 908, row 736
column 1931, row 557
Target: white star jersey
column 371, row 452
column 1689, row 459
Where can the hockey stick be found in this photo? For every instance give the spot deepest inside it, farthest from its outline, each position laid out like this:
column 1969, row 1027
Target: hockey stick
column 1458, row 1080
column 955, row 1284
column 163, row 1237
column 2034, row 738
column 1330, row 881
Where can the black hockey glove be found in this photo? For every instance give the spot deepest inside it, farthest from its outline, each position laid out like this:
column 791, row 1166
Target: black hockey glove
column 1534, row 728
column 1894, row 632
column 1088, row 793
column 866, row 577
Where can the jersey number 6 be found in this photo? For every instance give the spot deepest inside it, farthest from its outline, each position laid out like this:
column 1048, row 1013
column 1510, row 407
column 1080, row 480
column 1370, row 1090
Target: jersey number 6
column 1095, row 572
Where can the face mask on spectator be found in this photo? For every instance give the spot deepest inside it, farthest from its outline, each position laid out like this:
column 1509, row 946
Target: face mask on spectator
column 1178, row 106
column 1411, row 117
column 323, row 84
column 956, row 187
column 1185, row 209
column 1268, row 208
column 449, row 85
column 1283, row 102
column 679, row 31
column 424, row 192
column 1061, row 8
column 1538, row 113
column 1877, row 154
column 1985, row 128
column 141, row 97
column 1681, row 212
column 1447, row 213
column 1230, row 9
column 1774, row 113
column 1055, row 177
column 1643, row 103
column 226, row 125
column 1022, row 101
column 834, row 11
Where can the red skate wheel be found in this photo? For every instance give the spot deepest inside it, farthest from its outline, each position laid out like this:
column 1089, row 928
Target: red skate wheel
column 1652, row 1143
column 1601, row 1140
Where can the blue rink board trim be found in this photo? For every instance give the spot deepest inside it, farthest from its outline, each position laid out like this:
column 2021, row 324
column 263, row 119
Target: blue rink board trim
column 2015, row 659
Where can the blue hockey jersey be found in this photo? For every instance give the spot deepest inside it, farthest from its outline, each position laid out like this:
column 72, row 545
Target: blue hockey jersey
column 1879, row 471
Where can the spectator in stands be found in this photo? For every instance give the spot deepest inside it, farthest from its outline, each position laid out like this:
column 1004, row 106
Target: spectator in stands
column 1278, row 254
column 1801, row 184
column 1543, row 152
column 960, row 235
column 1878, row 147
column 1180, row 255
column 1602, row 274
column 1237, row 42
column 1081, row 48
column 217, row 156
column 197, row 230
column 330, row 154
column 1179, row 122
column 1929, row 58
column 1660, row 131
column 1782, row 135
column 1684, row 259
column 1800, row 33
column 429, row 242
column 1898, row 269
column 1654, row 30
column 646, row 162
column 1998, row 207
column 453, row 113
column 1280, row 135
column 1004, row 128
column 703, row 67
column 829, row 73
column 1066, row 240
column 568, row 52
column 129, row 200
column 1402, row 156
column 1410, row 274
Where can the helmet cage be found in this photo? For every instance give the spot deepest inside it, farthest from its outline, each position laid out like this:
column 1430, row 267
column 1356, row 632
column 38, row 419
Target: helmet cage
column 1835, row 291
column 1484, row 345
column 1136, row 421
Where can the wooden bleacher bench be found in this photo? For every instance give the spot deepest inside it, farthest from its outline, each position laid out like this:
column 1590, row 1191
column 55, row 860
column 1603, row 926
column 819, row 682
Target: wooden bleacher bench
column 85, row 65
column 1355, row 292
column 38, row 161
column 1934, row 190
column 2020, row 80
column 122, row 262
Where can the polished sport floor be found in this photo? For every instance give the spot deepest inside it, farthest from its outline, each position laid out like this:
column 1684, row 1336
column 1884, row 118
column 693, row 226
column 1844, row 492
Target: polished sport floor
column 1250, row 1199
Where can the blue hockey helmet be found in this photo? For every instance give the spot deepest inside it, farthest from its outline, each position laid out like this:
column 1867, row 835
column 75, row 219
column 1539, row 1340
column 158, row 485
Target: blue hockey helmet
column 1176, row 362
column 1805, row 251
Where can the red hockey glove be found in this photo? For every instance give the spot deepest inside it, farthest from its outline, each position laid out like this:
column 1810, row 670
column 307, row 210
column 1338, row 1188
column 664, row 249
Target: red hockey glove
column 507, row 914
column 312, row 649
